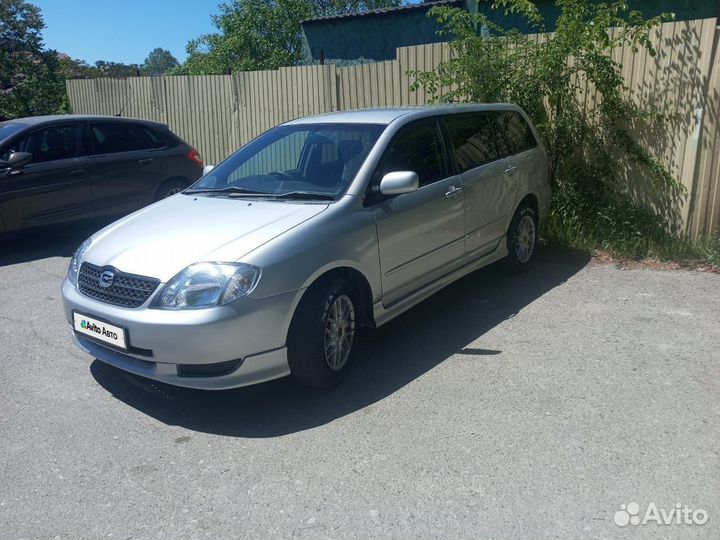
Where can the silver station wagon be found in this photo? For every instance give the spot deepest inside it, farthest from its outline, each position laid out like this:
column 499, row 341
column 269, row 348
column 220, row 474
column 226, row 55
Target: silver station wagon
column 271, row 262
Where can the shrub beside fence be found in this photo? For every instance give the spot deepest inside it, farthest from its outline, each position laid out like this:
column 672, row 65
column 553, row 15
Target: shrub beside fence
column 219, row 113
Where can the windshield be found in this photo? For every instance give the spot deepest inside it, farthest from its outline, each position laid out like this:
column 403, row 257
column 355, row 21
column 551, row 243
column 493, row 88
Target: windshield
column 303, row 160
column 9, row 128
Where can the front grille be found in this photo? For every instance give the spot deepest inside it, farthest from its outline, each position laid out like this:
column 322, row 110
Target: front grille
column 127, row 290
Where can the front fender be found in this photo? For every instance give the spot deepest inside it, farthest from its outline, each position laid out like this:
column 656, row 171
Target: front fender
column 344, row 236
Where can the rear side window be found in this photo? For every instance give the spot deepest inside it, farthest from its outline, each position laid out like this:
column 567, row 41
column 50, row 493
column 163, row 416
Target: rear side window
column 49, row 144
column 155, row 139
column 516, row 130
column 169, row 140
column 417, row 147
column 475, row 140
column 111, row 137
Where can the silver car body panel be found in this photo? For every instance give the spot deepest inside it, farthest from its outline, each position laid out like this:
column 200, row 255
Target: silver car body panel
column 162, row 239
column 402, row 249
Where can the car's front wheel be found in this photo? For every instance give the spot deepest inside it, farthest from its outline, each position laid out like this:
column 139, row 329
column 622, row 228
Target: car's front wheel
column 522, row 237
column 323, row 334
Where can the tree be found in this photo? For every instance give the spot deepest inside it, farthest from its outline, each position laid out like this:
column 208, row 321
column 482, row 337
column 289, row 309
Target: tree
column 75, row 69
column 326, row 8
column 589, row 149
column 30, row 78
column 116, row 69
column 159, row 61
column 262, row 34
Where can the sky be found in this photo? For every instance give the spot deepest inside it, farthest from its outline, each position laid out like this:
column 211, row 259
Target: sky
column 124, row 30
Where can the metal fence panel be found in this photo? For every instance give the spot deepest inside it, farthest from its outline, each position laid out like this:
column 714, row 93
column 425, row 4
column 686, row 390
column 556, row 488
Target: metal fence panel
column 219, row 113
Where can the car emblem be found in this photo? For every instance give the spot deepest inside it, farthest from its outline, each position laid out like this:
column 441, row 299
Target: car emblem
column 106, row 278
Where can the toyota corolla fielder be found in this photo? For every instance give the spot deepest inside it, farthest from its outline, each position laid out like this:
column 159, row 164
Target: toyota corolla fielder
column 269, row 264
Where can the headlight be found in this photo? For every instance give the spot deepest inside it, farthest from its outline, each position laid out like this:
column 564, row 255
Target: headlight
column 205, row 285
column 76, row 261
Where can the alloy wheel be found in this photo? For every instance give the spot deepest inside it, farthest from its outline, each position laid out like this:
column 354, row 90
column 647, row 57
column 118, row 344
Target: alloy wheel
column 339, row 332
column 524, row 241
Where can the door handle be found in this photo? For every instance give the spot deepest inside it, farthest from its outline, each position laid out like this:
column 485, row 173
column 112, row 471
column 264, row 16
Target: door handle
column 511, row 170
column 77, row 172
column 146, row 161
column 453, row 192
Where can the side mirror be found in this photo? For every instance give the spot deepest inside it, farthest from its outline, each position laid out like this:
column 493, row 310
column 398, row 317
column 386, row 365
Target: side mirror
column 399, row 182
column 18, row 160
column 207, row 169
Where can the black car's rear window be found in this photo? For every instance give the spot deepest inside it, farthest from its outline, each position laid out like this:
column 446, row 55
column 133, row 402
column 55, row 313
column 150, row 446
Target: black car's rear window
column 169, row 140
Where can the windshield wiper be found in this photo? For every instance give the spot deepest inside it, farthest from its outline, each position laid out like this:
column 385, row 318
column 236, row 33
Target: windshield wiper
column 305, row 195
column 234, row 190
column 229, row 189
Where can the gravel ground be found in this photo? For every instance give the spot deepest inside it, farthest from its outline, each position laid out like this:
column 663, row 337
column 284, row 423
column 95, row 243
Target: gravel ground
column 528, row 406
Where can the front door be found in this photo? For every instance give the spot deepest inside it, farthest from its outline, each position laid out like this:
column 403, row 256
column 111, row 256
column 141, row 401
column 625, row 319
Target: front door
column 53, row 188
column 420, row 234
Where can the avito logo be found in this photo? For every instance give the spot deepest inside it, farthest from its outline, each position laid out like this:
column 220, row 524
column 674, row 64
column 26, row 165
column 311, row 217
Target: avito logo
column 92, row 327
column 680, row 515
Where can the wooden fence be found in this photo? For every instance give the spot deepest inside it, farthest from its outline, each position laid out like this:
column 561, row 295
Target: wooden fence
column 220, row 113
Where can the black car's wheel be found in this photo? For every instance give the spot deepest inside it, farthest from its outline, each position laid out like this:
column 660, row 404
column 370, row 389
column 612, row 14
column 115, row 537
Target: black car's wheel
column 169, row 188
column 522, row 238
column 323, row 333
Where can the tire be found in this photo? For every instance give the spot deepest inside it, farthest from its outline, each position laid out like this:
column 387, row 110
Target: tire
column 170, row 188
column 522, row 238
column 319, row 350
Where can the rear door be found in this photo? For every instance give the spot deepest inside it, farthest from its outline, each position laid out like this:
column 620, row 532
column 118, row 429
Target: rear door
column 525, row 152
column 177, row 159
column 125, row 171
column 420, row 234
column 489, row 175
column 54, row 187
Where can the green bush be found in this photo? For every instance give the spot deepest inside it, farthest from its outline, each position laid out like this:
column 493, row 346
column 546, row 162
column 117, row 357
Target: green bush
column 590, row 150
column 709, row 248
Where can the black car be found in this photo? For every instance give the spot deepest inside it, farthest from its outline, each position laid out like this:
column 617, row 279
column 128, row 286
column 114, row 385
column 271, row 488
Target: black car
column 59, row 169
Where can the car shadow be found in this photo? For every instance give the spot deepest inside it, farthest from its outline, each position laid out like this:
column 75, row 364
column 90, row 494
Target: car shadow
column 59, row 241
column 387, row 359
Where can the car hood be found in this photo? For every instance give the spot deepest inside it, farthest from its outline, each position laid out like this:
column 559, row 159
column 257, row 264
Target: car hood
column 164, row 238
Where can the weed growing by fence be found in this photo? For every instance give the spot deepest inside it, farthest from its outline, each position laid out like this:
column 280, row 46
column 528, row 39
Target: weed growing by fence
column 591, row 148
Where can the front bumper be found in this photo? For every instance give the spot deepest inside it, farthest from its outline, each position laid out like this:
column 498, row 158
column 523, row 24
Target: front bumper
column 250, row 331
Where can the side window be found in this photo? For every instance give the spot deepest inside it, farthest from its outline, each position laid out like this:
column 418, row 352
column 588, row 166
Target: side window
column 154, row 138
column 113, row 137
column 475, row 140
column 516, row 130
column 49, row 144
column 416, row 147
column 168, row 139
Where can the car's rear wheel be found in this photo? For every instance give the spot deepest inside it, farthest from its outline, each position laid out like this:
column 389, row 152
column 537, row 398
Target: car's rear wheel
column 323, row 334
column 522, row 237
column 170, row 188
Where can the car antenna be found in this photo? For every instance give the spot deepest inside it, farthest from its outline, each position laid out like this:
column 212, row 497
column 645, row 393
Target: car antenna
column 132, row 91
